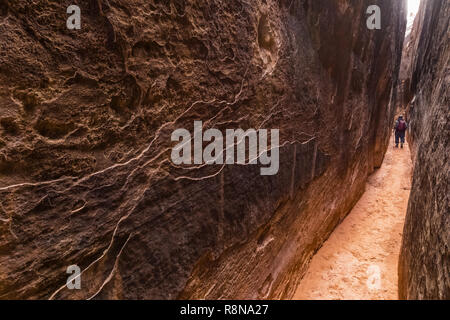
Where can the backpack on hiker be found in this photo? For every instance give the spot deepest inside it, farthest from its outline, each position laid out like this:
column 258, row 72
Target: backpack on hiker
column 401, row 125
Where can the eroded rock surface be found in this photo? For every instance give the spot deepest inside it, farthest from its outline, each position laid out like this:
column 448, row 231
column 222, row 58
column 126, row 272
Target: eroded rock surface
column 85, row 123
column 424, row 271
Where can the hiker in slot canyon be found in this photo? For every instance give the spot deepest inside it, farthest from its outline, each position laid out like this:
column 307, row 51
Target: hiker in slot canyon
column 400, row 131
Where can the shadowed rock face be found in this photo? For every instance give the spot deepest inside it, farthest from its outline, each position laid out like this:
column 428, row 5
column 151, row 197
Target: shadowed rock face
column 87, row 115
column 424, row 271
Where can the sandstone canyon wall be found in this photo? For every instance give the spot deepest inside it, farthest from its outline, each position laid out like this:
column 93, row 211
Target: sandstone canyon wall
column 424, row 271
column 86, row 119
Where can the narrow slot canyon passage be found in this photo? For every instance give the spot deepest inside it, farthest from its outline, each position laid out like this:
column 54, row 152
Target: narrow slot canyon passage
column 360, row 258
column 224, row 150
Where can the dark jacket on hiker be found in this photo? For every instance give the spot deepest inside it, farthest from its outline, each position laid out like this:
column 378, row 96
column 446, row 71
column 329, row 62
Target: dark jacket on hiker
column 400, row 129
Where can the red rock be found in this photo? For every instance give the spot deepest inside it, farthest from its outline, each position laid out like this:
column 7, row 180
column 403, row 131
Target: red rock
column 424, row 271
column 86, row 179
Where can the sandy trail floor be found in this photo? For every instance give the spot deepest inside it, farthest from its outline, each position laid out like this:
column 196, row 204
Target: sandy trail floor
column 359, row 260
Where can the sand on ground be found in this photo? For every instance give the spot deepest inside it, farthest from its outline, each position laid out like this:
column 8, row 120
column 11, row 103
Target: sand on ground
column 360, row 258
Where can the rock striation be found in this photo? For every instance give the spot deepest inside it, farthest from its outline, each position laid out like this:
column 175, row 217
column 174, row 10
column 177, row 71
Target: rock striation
column 424, row 271
column 86, row 118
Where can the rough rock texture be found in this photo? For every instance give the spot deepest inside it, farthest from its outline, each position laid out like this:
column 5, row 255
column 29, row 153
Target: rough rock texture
column 424, row 271
column 403, row 93
column 86, row 118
